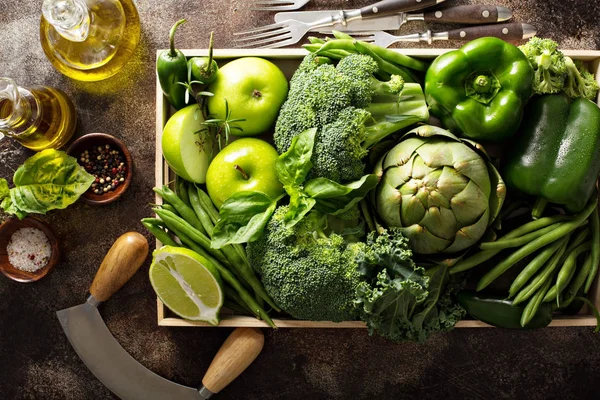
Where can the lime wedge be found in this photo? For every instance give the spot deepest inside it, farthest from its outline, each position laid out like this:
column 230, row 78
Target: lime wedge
column 187, row 283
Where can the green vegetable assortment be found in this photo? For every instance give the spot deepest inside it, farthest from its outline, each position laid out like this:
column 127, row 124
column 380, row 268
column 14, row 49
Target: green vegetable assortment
column 390, row 220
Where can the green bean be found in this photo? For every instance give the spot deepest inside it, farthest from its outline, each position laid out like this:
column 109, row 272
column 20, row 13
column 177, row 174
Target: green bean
column 395, row 57
column 183, row 209
column 551, row 295
column 534, row 304
column 208, row 205
column 341, row 35
column 201, row 214
column 595, row 222
column 312, row 47
column 552, row 252
column 335, row 54
column 384, row 65
column 182, row 190
column 321, row 60
column 169, row 207
column 576, row 241
column 534, row 246
column 338, row 44
column 569, row 267
column 315, row 40
column 235, row 298
column 483, row 256
column 228, row 277
column 502, row 244
column 154, row 221
column 235, row 307
column 579, row 280
column 176, row 223
column 161, row 235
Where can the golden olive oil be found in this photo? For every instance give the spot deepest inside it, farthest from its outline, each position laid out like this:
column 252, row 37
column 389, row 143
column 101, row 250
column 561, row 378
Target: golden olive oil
column 38, row 117
column 90, row 43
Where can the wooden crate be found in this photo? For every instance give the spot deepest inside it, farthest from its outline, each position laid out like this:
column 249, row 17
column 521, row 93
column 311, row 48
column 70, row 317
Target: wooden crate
column 288, row 60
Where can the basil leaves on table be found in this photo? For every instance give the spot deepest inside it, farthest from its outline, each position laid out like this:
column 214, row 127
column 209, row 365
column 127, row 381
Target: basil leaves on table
column 49, row 180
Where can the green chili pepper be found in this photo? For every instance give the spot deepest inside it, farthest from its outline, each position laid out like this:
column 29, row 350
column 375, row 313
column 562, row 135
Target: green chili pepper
column 171, row 68
column 204, row 69
column 500, row 312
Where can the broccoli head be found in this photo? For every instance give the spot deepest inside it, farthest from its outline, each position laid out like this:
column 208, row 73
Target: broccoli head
column 548, row 63
column 580, row 82
column 351, row 109
column 309, row 274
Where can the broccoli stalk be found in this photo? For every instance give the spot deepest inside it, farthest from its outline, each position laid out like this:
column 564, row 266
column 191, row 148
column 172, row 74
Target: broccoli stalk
column 392, row 116
column 580, row 82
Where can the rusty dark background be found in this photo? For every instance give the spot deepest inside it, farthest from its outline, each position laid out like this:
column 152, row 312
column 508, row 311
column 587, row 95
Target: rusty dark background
column 36, row 360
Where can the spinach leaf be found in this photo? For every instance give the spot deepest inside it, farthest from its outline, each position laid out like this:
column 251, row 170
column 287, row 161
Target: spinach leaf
column 49, row 180
column 242, row 218
column 293, row 165
column 334, row 198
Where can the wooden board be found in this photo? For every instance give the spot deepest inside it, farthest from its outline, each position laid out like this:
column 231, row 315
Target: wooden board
column 287, row 60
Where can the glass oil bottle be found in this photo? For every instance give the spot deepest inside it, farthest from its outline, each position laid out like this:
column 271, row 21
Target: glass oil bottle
column 38, row 117
column 89, row 40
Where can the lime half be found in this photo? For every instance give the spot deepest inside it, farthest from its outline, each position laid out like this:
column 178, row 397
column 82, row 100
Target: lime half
column 187, row 283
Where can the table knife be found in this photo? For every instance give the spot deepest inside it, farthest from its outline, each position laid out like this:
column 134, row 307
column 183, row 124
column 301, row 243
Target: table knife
column 469, row 14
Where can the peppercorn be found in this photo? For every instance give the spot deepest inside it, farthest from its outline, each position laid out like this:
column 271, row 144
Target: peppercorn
column 107, row 166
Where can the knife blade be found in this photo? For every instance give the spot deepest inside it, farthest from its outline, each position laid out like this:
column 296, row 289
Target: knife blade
column 468, row 14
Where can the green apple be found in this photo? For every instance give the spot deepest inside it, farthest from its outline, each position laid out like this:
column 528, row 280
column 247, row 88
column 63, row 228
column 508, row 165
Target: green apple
column 186, row 144
column 247, row 164
column 254, row 89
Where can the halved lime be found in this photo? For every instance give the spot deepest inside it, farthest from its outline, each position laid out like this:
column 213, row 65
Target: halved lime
column 187, row 283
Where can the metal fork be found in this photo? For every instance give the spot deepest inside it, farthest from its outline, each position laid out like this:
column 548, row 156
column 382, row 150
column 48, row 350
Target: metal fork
column 277, row 5
column 291, row 31
column 510, row 31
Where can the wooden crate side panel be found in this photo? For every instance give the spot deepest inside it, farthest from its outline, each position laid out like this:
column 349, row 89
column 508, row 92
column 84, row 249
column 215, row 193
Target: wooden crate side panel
column 289, row 58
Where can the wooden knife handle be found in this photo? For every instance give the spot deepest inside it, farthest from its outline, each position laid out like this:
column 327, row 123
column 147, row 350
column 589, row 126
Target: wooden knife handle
column 469, row 14
column 235, row 355
column 123, row 259
column 386, row 7
column 512, row 31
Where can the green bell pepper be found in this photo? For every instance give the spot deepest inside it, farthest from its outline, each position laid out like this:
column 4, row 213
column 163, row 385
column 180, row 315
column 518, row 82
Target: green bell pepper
column 556, row 154
column 172, row 68
column 499, row 312
column 479, row 91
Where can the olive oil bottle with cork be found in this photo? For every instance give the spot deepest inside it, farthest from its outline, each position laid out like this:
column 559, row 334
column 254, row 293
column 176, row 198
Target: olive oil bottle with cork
column 89, row 40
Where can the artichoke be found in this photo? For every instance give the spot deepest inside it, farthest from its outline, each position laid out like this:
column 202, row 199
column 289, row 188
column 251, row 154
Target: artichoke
column 443, row 192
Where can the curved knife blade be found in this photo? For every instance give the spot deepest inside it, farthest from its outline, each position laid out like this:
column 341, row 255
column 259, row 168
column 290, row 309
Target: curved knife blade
column 111, row 364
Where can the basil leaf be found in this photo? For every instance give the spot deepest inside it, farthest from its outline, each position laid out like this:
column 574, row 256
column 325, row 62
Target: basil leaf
column 4, row 190
column 49, row 180
column 243, row 218
column 335, row 198
column 300, row 205
column 293, row 165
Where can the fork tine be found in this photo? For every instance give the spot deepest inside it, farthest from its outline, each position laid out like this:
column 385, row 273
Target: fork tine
column 279, row 44
column 274, row 32
column 272, row 40
column 261, row 29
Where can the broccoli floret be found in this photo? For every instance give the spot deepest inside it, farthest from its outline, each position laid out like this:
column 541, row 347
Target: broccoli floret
column 548, row 64
column 309, row 274
column 351, row 109
column 580, row 82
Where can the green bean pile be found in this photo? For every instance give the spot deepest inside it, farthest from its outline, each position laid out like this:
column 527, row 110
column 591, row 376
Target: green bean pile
column 556, row 273
column 190, row 216
column 389, row 62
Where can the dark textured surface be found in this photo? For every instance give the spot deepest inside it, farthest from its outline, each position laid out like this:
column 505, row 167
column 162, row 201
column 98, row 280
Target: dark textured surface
column 37, row 361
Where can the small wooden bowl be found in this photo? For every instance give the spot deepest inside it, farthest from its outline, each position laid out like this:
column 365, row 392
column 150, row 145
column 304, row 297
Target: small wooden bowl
column 91, row 140
column 6, row 231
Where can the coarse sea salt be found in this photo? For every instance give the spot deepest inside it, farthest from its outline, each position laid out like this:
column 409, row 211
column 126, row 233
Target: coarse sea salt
column 29, row 249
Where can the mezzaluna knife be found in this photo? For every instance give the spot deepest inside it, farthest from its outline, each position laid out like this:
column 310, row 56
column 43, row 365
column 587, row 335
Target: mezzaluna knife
column 114, row 367
column 468, row 14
